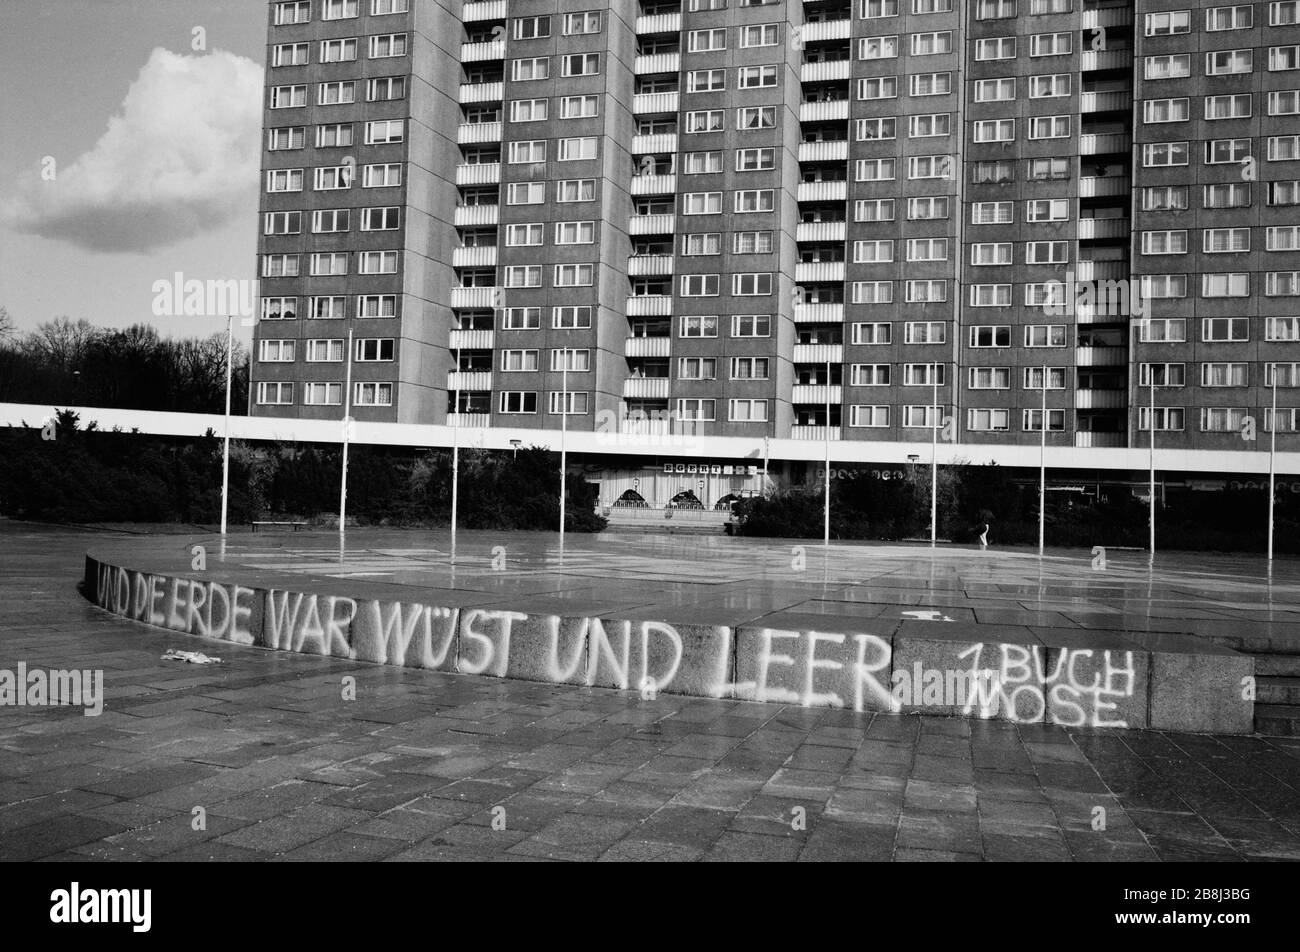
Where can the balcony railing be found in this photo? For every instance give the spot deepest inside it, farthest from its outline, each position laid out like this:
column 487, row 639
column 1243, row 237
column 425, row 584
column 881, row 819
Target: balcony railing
column 643, row 266
column 659, row 23
column 472, row 133
column 650, row 305
column 1089, row 399
column 654, row 184
column 823, row 191
column 820, row 231
column 1104, row 143
column 1101, row 270
column 483, row 10
column 818, row 314
column 469, row 380
column 818, row 353
column 831, row 71
column 818, row 433
column 478, row 173
column 1107, row 16
column 1117, row 100
column 470, row 340
column 1097, row 440
column 647, row 346
column 474, row 297
column 471, row 215
column 657, row 144
column 486, row 50
column 1091, row 228
column 651, row 224
column 825, row 30
column 1099, row 356
column 819, row 271
column 646, row 388
column 1092, row 186
column 481, row 92
column 647, row 65
column 479, row 256
column 812, row 393
column 643, row 103
column 824, row 111
column 462, row 420
column 834, row 150
column 1105, row 59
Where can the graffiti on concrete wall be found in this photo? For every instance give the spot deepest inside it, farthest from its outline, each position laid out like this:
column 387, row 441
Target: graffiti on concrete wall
column 1071, row 687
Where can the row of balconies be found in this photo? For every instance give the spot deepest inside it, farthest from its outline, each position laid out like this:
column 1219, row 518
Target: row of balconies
column 644, row 266
column 1101, row 144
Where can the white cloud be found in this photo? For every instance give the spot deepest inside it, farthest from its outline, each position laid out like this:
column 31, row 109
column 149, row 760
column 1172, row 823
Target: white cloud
column 180, row 158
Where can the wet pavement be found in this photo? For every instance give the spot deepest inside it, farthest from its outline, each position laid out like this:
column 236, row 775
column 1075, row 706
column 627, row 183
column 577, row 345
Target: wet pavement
column 265, row 756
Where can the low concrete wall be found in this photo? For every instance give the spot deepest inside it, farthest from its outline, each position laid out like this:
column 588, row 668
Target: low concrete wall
column 1119, row 680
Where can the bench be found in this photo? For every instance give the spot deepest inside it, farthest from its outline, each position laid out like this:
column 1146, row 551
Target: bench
column 265, row 522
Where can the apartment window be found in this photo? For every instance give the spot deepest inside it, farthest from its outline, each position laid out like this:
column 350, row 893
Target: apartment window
column 530, row 68
column 578, row 24
column 990, row 378
column 571, row 359
column 282, row 223
column 755, row 200
column 1175, row 66
column 873, row 209
column 524, row 234
column 1224, row 375
column 760, row 34
column 755, row 160
column 932, row 44
column 327, row 263
column 1052, row 86
column 930, row 84
column 990, row 335
column 279, row 308
column 988, row 420
column 528, row 110
column 878, row 87
column 1282, row 238
column 526, row 193
column 706, row 41
column 1032, row 420
column 1163, row 198
column 702, row 243
column 519, row 361
column 327, row 308
column 575, row 275
column 1049, row 127
column 1228, row 107
column 1049, row 44
column 995, row 9
column 288, row 97
column 698, row 325
column 992, row 213
column 279, row 266
column 575, row 232
column 701, row 163
column 386, row 88
column 1169, row 23
column 339, row 9
column 756, row 77
column 874, row 170
column 1285, row 102
column 749, row 368
column 1225, row 240
column 290, row 54
column 339, row 51
column 284, row 180
column 878, row 9
column 1225, row 329
column 926, row 126
column 756, row 117
column 702, row 203
column 869, row 416
column 1046, row 252
column 752, row 284
column 878, row 47
column 296, row 12
column 571, row 318
column 384, row 7
column 283, row 140
column 995, row 48
column 1164, row 242
column 924, row 375
column 995, row 90
column 1222, row 419
column 387, row 175
column 336, row 94
column 275, row 352
column 521, row 319
column 574, row 150
column 990, row 253
column 575, row 190
column 931, row 6
column 874, row 292
column 1162, row 375
column 924, row 332
column 334, row 135
column 372, row 394
column 927, row 249
column 1169, row 330
column 752, row 243
column 869, row 375
column 1234, row 284
column 1049, row 209
column 990, row 295
column 747, row 411
column 873, row 130
column 1166, row 418
column 1229, row 18
column 706, row 80
column 1282, row 329
column 532, row 28
column 523, row 276
column 580, row 64
column 878, row 332
column 1284, row 13
column 323, row 350
column 1163, row 286
column 995, row 130
column 929, row 208
column 701, row 285
column 1044, row 7
column 274, row 394
column 873, row 252
column 377, row 305
column 921, row 416
column 925, row 291
column 1165, row 110
column 378, row 262
column 751, row 325
column 701, row 411
column 374, row 349
column 1156, row 154
column 1283, row 58
column 1045, row 335
column 1040, row 170
column 518, row 401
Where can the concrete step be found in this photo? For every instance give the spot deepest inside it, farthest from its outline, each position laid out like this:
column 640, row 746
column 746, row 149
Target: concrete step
column 1277, row 665
column 1276, row 690
column 1277, row 720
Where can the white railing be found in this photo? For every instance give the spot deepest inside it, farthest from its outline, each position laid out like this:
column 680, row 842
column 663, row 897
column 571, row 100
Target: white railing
column 833, row 150
column 662, row 142
column 654, row 102
column 1098, row 440
column 1105, row 59
column 483, row 10
column 1097, row 144
column 1099, row 356
column 819, row 271
column 473, row 297
column 1101, row 270
column 478, row 173
column 818, row 433
column 469, row 380
column 1091, row 186
column 486, row 50
column 818, row 314
column 818, row 353
column 825, row 30
column 471, row 133
column 831, row 71
column 823, row 191
column 812, row 393
column 651, row 224
column 646, row 388
column 659, row 23
column 470, row 215
column 1105, row 101
column 479, row 256
column 647, row 346
column 646, row 65
column 654, row 184
column 470, row 340
column 650, row 305
column 1089, row 399
column 481, row 92
column 1103, row 228
column 824, row 111
column 820, row 231
column 643, row 266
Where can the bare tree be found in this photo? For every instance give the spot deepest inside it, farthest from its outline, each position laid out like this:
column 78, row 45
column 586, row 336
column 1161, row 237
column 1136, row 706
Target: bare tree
column 61, row 342
column 6, row 326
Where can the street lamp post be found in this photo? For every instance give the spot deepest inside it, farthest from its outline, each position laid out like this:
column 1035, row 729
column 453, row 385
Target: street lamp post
column 225, row 453
column 1272, row 453
column 347, row 435
column 1042, row 469
column 455, row 453
column 826, row 506
column 1151, row 518
column 934, row 456
column 564, row 429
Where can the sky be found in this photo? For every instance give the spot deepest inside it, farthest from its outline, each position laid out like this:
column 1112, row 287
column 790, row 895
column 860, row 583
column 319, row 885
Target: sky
column 129, row 152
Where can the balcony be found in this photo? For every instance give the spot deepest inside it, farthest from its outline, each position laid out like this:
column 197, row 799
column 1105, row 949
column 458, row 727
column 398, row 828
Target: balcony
column 481, row 92
column 1107, row 16
column 819, row 231
column 651, row 224
column 1100, row 356
column 659, row 23
column 645, row 388
column 1105, row 59
column 818, row 271
column 809, row 393
column 835, row 150
column 825, row 30
column 469, row 380
column 815, row 433
column 1100, row 399
column 660, row 143
column 1094, row 186
column 463, row 420
column 1085, row 440
column 818, row 353
column 825, row 72
column 1103, row 144
column 1093, row 228
column 470, row 340
column 650, row 305
column 472, row 133
column 483, row 10
column 467, row 216
column 1101, row 270
column 657, row 63
column 818, row 314
column 823, row 191
column 480, row 52
column 479, row 256
column 824, row 111
column 654, row 184
column 644, row 266
column 476, row 298
column 1116, row 101
column 644, row 103
column 481, row 173
column 647, row 346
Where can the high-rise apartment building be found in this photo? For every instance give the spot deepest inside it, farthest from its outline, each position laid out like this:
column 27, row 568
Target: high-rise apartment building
column 759, row 218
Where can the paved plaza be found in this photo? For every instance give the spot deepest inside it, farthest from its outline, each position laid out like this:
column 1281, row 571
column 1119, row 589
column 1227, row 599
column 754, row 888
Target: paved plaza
column 264, row 756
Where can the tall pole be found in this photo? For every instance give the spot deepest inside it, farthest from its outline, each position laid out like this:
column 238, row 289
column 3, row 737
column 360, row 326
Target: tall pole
column 455, row 455
column 564, row 428
column 1272, row 452
column 766, row 453
column 1151, row 380
column 934, row 457
column 225, row 453
column 347, row 427
column 826, row 506
column 1042, row 469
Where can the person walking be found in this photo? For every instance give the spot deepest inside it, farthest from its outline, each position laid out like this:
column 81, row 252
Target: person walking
column 984, row 536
